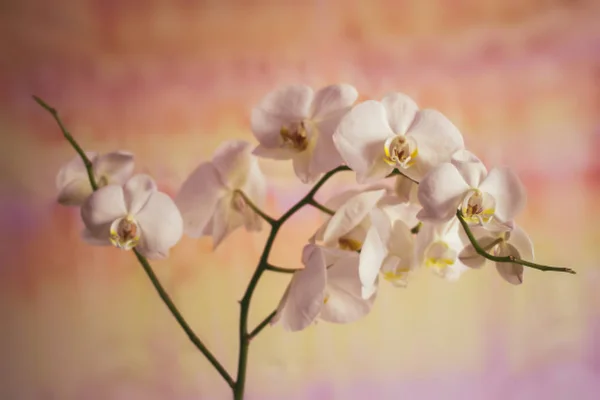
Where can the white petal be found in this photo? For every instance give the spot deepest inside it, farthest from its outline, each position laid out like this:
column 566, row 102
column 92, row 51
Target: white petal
column 333, row 99
column 281, row 107
column 325, row 155
column 305, row 294
column 440, row 193
column 274, row 153
column 256, row 190
column 521, row 241
column 405, row 212
column 225, row 220
column 137, row 191
column 198, row 198
column 405, row 189
column 470, row 167
column 508, row 191
column 73, row 183
column 401, row 111
column 469, row 256
column 161, row 226
column 402, row 245
column 75, row 192
column 351, row 215
column 232, row 160
column 360, row 139
column 373, row 252
column 302, row 166
column 344, row 302
column 116, row 167
column 103, row 207
column 510, row 272
column 437, row 139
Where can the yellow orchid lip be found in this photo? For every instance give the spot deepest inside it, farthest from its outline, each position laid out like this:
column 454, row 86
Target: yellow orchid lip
column 400, row 151
column 478, row 207
column 295, row 137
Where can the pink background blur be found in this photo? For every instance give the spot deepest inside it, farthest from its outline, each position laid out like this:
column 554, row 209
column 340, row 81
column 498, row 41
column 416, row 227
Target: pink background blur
column 170, row 80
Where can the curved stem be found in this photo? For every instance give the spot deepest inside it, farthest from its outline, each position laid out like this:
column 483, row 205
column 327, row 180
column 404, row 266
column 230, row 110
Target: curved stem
column 142, row 260
column 255, row 208
column 182, row 322
column 263, row 264
column 321, row 207
column 271, row 267
column 67, row 135
column 506, row 259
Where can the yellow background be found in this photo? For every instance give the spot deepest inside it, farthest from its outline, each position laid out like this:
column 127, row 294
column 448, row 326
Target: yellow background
column 170, row 80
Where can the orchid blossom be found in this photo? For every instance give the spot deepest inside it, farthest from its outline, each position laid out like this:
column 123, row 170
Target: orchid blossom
column 377, row 136
column 210, row 200
column 296, row 123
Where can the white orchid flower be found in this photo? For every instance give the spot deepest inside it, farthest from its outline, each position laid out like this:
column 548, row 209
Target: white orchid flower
column 388, row 247
column 376, row 137
column 465, row 183
column 514, row 243
column 209, row 199
column 327, row 288
column 295, row 123
column 73, row 182
column 347, row 228
column 438, row 246
column 133, row 215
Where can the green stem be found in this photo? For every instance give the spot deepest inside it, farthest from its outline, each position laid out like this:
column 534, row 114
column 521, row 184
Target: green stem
column 415, row 229
column 142, row 260
column 271, row 267
column 263, row 264
column 182, row 322
column 508, row 259
column 86, row 161
column 321, row 207
column 254, row 208
column 262, row 325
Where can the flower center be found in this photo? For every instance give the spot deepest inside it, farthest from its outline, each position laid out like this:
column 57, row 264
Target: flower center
column 478, row 207
column 400, row 151
column 349, row 244
column 439, row 255
column 125, row 233
column 295, row 137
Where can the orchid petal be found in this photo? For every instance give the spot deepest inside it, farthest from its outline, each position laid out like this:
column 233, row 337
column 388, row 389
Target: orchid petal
column 508, row 191
column 161, row 226
column 373, row 252
column 225, row 220
column 73, row 183
column 255, row 189
column 510, row 272
column 344, row 302
column 351, row 215
column 333, row 99
column 103, row 207
column 400, row 110
column 137, row 190
column 521, row 241
column 198, row 198
column 116, row 167
column 274, row 153
column 470, row 167
column 232, row 160
column 437, row 139
column 360, row 139
column 280, row 108
column 440, row 193
column 305, row 295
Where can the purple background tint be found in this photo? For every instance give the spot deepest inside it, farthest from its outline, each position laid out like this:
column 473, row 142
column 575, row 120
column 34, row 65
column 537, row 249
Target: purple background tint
column 170, row 80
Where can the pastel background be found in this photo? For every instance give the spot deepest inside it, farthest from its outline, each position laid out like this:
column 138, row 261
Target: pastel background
column 170, row 80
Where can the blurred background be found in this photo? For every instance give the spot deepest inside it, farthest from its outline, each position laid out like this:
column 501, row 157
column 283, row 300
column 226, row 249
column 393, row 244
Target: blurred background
column 170, row 80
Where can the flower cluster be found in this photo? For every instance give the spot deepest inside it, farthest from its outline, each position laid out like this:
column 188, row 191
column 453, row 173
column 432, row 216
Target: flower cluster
column 422, row 200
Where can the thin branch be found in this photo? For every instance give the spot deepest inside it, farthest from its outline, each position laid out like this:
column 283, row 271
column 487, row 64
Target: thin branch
column 67, row 135
column 320, row 207
column 261, row 326
column 270, row 267
column 505, row 259
column 255, row 208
